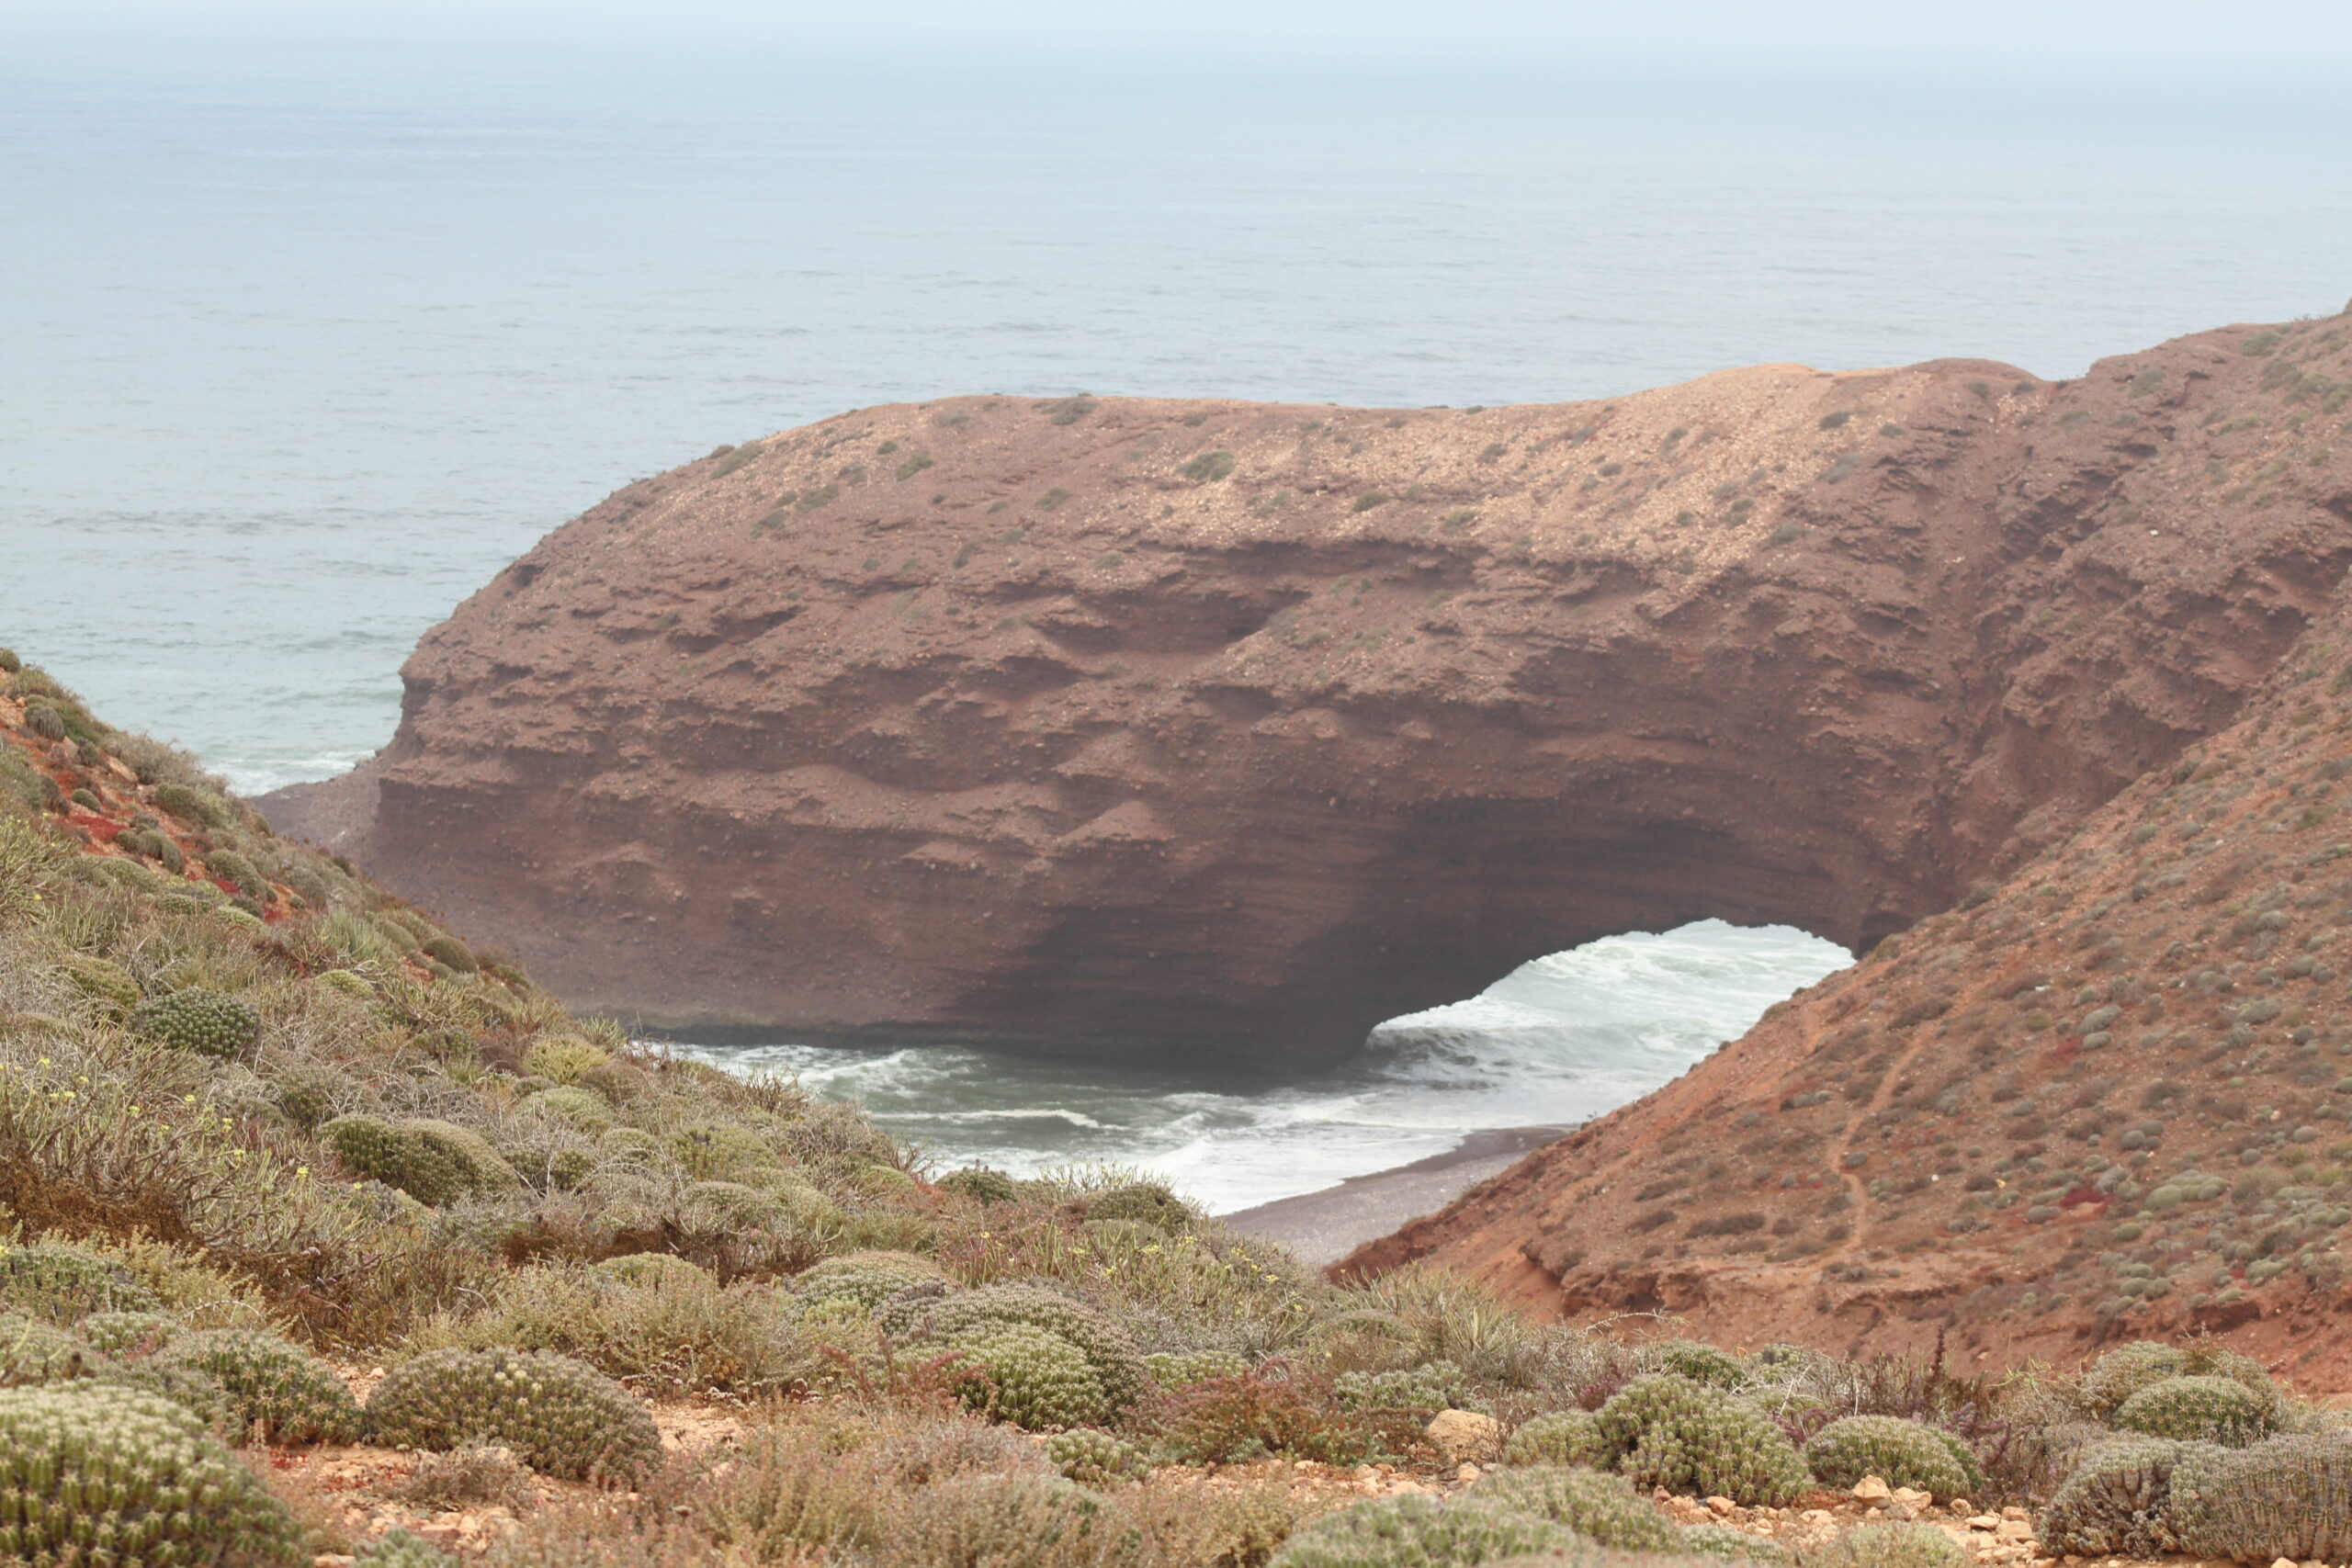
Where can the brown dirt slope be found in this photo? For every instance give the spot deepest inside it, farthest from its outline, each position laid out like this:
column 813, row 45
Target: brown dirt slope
column 2109, row 1097
column 1174, row 728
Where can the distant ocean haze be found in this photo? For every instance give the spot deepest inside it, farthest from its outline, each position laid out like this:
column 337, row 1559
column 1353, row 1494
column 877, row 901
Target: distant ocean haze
column 294, row 357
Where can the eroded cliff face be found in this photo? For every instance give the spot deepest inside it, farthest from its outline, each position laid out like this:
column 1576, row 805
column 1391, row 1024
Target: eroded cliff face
column 1165, row 728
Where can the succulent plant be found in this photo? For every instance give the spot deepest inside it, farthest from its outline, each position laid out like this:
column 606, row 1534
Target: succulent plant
column 980, row 1182
column 1414, row 1530
column 307, row 1096
column 200, row 1020
column 191, row 1391
column 1723, row 1541
column 1437, row 1385
column 1147, row 1202
column 447, row 950
column 405, row 1549
column 1029, row 1376
column 1701, row 1363
column 60, row 1283
column 2288, row 1496
column 1723, row 1451
column 1106, row 1347
column 1899, row 1452
column 32, row 1353
column 349, row 982
column 2118, row 1500
column 271, row 1383
column 865, row 1279
column 1601, row 1507
column 108, row 984
column 1646, row 1402
column 1001, row 1521
column 126, row 1333
column 1564, row 1436
column 2201, row 1409
column 1182, row 1369
column 44, row 720
column 559, row 1417
column 192, row 804
column 564, row 1058
column 721, row 1151
column 92, row 1473
column 395, row 1157
column 582, row 1108
column 2125, row 1370
column 229, row 866
column 10, row 663
column 1094, row 1458
column 649, row 1271
column 480, row 1169
column 1892, row 1546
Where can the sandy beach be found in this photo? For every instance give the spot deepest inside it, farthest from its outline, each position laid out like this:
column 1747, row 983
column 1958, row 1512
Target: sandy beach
column 1323, row 1227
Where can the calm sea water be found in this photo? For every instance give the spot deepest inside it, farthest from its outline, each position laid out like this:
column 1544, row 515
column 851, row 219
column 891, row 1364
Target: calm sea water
column 298, row 348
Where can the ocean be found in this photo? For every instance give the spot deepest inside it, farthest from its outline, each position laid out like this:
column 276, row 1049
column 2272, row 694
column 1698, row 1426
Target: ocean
column 299, row 345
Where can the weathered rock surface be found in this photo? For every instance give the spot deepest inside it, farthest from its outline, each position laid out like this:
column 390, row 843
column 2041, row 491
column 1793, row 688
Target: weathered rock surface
column 1165, row 728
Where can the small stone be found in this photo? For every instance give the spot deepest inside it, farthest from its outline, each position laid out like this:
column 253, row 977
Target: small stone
column 1912, row 1497
column 1465, row 1473
column 1960, row 1508
column 2286, row 1563
column 1818, row 1517
column 2013, row 1512
column 333, row 1559
column 1983, row 1522
column 1464, row 1436
column 1871, row 1489
column 2013, row 1529
column 1720, row 1505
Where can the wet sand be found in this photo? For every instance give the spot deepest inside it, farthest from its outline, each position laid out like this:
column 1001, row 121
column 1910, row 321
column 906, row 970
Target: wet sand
column 1323, row 1227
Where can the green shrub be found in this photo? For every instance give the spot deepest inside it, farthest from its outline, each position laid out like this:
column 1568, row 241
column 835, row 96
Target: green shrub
column 44, row 720
column 864, row 1279
column 1209, row 467
column 60, row 1283
column 192, row 804
column 2117, row 1500
column 1699, row 1363
column 1413, row 1530
column 229, row 866
column 402, row 1549
column 199, row 1021
column 2125, row 1370
column 1723, row 1541
column 1899, row 1452
column 582, row 1108
column 1564, row 1436
column 1434, row 1386
column 1648, row 1402
column 1181, row 1369
column 1095, row 1458
column 1028, row 1375
column 126, row 1333
column 10, row 663
column 277, row 1386
column 646, row 1270
column 2201, row 1409
column 32, row 1352
column 1892, row 1546
column 1724, row 1451
column 95, row 1474
column 1000, row 1521
column 442, row 948
column 980, row 1182
column 308, row 1096
column 1107, row 1347
column 480, row 1169
column 2288, row 1496
column 1601, row 1507
column 557, row 1416
column 101, row 981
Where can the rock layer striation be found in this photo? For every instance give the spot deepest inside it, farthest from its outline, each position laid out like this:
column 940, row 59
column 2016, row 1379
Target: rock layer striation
column 1171, row 728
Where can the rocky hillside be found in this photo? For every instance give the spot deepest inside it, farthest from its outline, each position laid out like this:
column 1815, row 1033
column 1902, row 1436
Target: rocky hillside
column 2108, row 1095
column 1172, row 727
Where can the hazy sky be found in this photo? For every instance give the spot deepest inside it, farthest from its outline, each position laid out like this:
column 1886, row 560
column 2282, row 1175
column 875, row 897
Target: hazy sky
column 2295, row 34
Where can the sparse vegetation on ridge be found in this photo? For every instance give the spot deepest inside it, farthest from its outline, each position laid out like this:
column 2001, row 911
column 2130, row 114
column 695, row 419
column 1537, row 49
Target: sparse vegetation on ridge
column 266, row 1130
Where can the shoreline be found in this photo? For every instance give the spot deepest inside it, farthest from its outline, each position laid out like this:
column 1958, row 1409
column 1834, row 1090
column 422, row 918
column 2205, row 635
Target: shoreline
column 1324, row 1226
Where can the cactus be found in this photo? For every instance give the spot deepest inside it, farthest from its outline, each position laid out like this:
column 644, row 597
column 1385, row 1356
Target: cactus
column 1602, row 1508
column 1699, row 1363
column 447, row 950
column 102, row 982
column 1564, row 1436
column 395, row 1157
column 1147, row 1202
column 1184, row 1369
column 649, row 1271
column 2287, row 1497
column 307, row 1096
column 1724, row 1451
column 191, row 1391
column 1029, row 1376
column 2125, row 1370
column 721, row 1151
column 200, row 1020
column 121, row 1333
column 865, row 1279
column 44, row 720
column 349, row 982
column 481, row 1169
column 1899, row 1452
column 582, row 1108
column 1723, row 1541
column 94, row 1474
column 1439, row 1385
column 1892, row 1546
column 60, row 1283
column 1413, row 1530
column 192, row 804
column 272, row 1384
column 980, row 1182
column 2201, row 1409
column 1002, row 1522
column 557, row 1416
column 1106, row 1347
column 1095, row 1458
column 229, row 866
column 34, row 1353
column 10, row 663
column 2117, row 1501
column 1648, row 1402
column 403, row 1549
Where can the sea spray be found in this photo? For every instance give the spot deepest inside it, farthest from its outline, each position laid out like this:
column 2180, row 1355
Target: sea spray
column 1558, row 1040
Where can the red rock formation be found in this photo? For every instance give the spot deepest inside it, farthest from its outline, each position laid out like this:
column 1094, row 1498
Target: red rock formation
column 1153, row 728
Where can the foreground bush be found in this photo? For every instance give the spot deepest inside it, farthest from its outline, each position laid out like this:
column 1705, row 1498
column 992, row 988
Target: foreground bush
column 1418, row 1532
column 557, row 1415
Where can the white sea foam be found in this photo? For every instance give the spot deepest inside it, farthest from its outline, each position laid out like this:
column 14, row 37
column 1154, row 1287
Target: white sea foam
column 1556, row 1040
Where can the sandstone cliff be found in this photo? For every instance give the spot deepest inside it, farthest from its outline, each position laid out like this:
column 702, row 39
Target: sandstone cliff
column 1172, row 727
